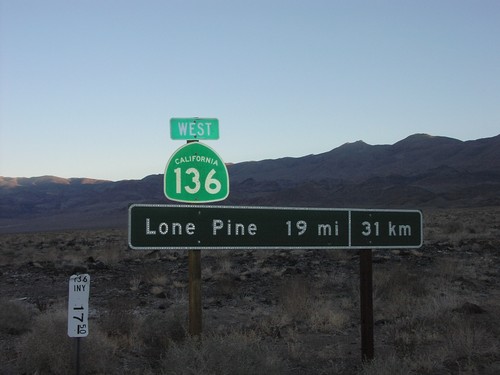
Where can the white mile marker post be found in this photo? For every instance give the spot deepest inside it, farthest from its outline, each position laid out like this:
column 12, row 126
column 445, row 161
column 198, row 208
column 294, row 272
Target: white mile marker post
column 78, row 311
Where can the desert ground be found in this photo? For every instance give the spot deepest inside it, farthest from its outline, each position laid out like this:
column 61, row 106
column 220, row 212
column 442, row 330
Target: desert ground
column 436, row 309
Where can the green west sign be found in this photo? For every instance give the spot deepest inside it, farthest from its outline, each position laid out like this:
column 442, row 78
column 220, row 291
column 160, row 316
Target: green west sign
column 194, row 128
column 195, row 173
column 229, row 227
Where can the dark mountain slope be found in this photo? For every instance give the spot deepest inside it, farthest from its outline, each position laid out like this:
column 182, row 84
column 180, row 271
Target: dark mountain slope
column 360, row 161
column 418, row 171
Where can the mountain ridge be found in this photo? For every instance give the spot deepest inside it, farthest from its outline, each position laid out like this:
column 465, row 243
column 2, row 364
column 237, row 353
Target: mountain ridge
column 403, row 157
column 11, row 182
column 418, row 171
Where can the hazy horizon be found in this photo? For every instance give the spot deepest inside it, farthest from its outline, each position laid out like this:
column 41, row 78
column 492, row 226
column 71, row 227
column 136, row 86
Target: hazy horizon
column 226, row 162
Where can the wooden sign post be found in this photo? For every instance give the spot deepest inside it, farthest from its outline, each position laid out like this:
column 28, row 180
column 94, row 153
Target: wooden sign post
column 195, row 314
column 366, row 304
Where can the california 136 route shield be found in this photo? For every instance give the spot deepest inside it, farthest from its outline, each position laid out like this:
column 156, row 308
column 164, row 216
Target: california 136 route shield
column 196, row 174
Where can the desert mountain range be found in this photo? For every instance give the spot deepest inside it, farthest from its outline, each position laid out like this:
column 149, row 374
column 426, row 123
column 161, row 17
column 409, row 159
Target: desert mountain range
column 417, row 172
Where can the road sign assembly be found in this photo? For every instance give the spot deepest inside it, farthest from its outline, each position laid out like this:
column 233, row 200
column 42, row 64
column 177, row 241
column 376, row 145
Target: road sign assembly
column 196, row 174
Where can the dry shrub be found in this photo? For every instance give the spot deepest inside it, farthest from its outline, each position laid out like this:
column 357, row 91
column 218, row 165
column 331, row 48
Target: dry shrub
column 234, row 353
column 224, row 275
column 225, row 285
column 296, row 298
column 120, row 324
column 386, row 365
column 449, row 268
column 433, row 341
column 407, row 334
column 326, row 317
column 452, row 227
column 398, row 283
column 398, row 290
column 301, row 304
column 469, row 341
column 226, row 266
column 160, row 329
column 15, row 317
column 422, row 327
column 160, row 280
column 48, row 349
column 135, row 283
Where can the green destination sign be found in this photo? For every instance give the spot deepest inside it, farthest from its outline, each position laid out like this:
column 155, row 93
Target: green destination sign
column 228, row 227
column 195, row 173
column 194, row 128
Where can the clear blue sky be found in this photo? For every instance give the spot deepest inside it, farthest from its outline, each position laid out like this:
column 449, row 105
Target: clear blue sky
column 87, row 88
